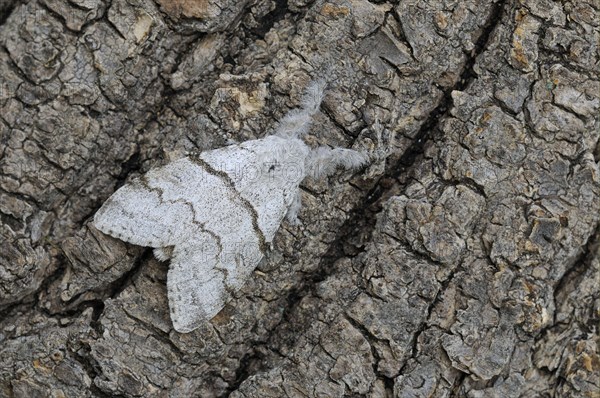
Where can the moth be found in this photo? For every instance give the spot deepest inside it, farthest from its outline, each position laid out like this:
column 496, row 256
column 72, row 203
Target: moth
column 214, row 214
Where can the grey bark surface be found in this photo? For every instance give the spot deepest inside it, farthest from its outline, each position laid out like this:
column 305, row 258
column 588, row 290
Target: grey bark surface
column 465, row 264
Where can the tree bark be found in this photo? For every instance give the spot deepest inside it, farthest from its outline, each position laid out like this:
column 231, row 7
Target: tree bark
column 466, row 263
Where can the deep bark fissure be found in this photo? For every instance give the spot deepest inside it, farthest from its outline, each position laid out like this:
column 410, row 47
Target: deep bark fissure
column 7, row 8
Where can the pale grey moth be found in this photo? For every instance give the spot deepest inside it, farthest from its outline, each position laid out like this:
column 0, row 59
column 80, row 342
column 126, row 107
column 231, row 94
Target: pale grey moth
column 214, row 214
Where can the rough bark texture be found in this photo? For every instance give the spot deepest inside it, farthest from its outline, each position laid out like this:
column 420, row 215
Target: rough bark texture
column 467, row 264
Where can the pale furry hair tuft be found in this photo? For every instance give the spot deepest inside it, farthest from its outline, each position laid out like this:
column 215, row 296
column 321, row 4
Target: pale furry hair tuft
column 297, row 122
